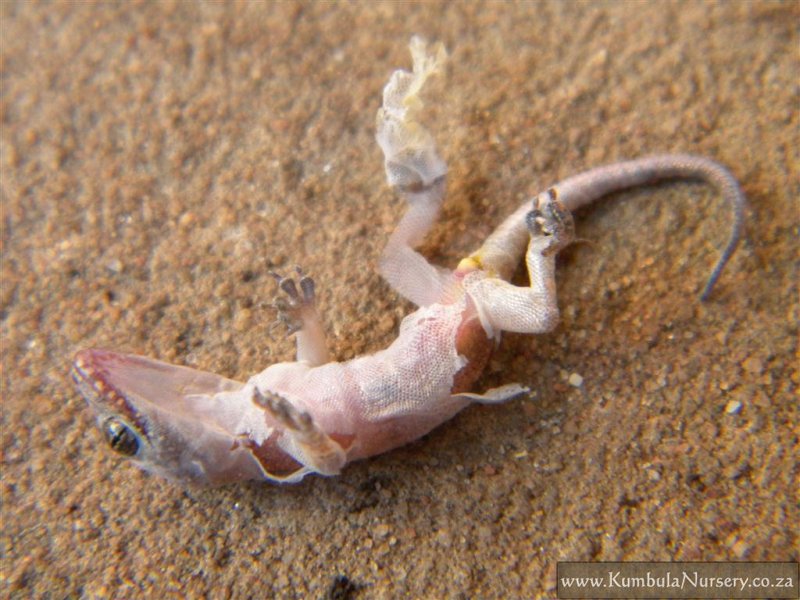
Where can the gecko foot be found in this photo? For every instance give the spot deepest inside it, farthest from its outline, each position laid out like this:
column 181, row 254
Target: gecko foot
column 294, row 305
column 550, row 220
column 282, row 410
column 306, row 442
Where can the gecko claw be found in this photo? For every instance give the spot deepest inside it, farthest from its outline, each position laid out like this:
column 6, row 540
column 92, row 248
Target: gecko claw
column 551, row 219
column 307, row 286
column 293, row 302
column 280, row 408
column 318, row 451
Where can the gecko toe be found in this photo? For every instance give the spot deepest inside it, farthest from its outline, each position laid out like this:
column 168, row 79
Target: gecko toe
column 283, row 411
column 297, row 295
column 551, row 219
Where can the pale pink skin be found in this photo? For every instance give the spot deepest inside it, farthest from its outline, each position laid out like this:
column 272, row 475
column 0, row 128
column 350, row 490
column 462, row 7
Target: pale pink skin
column 200, row 428
column 314, row 415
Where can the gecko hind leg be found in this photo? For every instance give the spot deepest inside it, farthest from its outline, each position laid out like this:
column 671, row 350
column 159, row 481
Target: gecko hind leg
column 415, row 169
column 298, row 311
column 303, row 440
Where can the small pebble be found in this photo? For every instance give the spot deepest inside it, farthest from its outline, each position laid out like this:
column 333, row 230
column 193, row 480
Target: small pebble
column 740, row 549
column 186, row 220
column 381, row 530
column 575, row 380
column 443, row 538
column 114, row 266
column 733, row 407
column 753, row 365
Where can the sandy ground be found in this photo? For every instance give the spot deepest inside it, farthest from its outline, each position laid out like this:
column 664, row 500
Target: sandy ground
column 159, row 158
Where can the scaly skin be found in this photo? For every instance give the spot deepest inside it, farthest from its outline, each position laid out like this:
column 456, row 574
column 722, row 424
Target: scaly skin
column 314, row 415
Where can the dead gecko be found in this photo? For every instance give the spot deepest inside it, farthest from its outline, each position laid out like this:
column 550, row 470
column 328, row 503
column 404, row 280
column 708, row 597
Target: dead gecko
column 314, row 415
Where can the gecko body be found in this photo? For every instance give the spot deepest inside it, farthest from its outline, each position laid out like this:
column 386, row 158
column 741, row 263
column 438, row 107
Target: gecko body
column 314, row 415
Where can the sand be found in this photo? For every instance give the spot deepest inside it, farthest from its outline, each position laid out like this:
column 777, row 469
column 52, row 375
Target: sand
column 158, row 159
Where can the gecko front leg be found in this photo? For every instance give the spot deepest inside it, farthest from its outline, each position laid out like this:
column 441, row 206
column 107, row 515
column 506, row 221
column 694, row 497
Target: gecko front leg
column 550, row 224
column 302, row 439
column 298, row 311
column 503, row 306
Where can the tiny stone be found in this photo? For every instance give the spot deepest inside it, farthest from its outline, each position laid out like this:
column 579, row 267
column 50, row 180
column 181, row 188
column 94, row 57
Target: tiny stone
column 243, row 320
column 186, row 220
column 575, row 380
column 733, row 407
column 443, row 538
column 115, row 266
column 740, row 549
column 381, row 530
column 753, row 365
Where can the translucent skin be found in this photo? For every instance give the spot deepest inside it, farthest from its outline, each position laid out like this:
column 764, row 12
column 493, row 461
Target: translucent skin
column 314, row 415
column 198, row 428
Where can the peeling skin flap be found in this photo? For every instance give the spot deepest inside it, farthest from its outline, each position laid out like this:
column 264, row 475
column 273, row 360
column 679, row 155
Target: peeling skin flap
column 498, row 394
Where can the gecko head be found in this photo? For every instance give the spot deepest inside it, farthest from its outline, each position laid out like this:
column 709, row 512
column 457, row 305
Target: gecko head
column 152, row 413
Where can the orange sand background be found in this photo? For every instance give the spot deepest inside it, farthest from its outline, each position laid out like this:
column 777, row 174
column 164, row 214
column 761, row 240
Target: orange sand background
column 159, row 158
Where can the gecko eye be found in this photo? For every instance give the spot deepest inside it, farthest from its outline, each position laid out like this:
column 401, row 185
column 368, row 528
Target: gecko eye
column 121, row 438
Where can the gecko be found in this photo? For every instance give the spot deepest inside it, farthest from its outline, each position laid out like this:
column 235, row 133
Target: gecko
column 314, row 414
